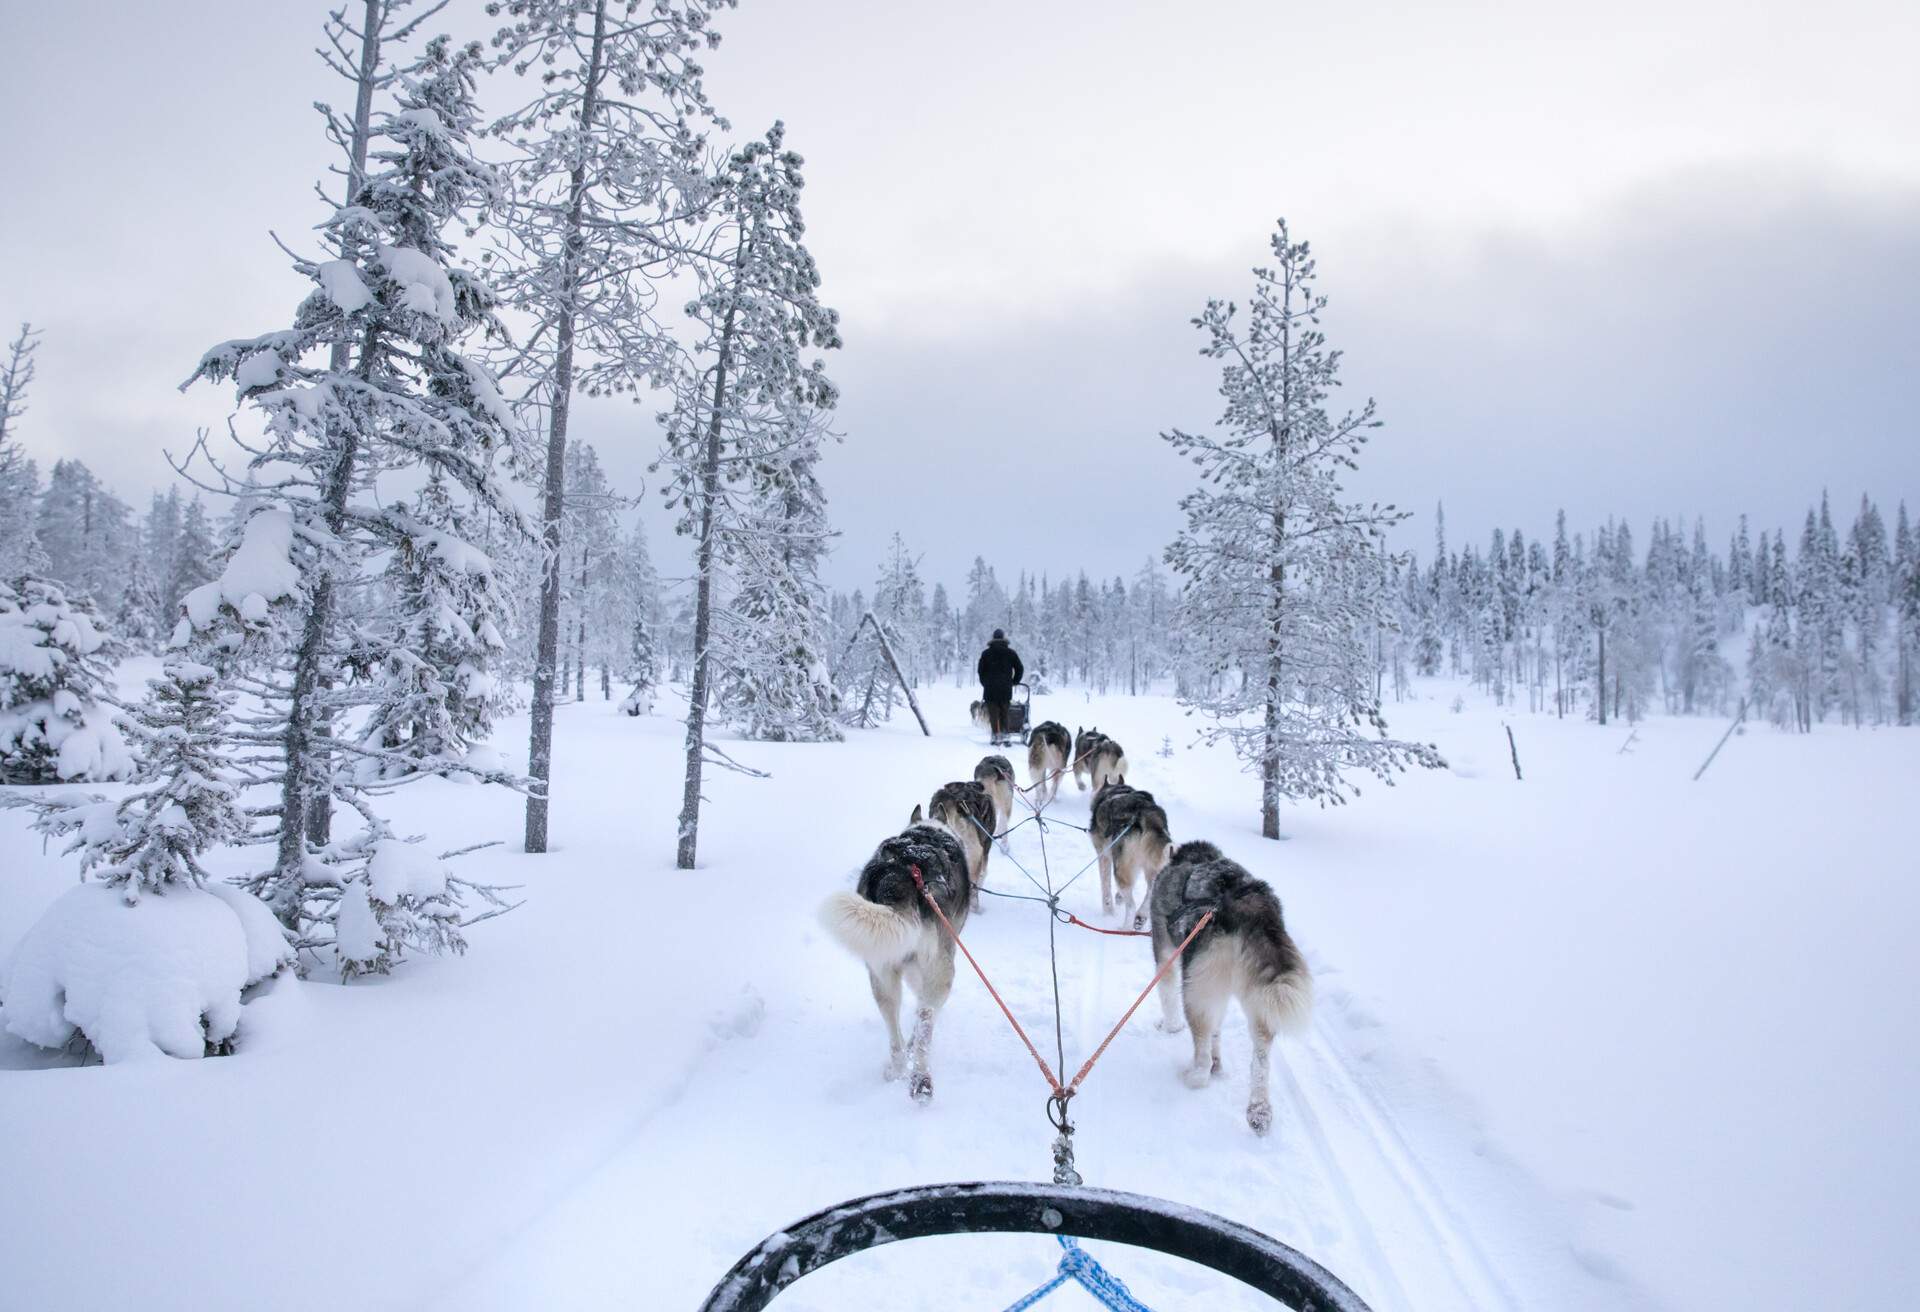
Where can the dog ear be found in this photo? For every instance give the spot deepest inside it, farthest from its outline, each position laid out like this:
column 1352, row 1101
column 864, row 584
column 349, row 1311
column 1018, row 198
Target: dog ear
column 917, row 817
column 1121, row 780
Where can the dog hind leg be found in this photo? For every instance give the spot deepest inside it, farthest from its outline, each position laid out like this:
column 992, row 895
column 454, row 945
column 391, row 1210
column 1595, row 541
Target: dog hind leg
column 1259, row 1106
column 931, row 989
column 886, row 996
column 1204, row 993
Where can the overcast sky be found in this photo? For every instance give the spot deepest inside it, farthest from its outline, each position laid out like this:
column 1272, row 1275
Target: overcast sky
column 1647, row 258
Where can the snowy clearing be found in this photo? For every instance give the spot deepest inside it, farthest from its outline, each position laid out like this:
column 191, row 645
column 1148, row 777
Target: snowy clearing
column 1592, row 1040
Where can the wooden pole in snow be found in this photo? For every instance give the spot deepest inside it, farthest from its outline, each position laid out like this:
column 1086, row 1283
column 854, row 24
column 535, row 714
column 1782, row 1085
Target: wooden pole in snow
column 1513, row 750
column 1737, row 719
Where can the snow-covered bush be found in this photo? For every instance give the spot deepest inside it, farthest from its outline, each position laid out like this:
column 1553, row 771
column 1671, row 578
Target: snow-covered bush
column 147, row 960
column 54, row 663
column 399, row 898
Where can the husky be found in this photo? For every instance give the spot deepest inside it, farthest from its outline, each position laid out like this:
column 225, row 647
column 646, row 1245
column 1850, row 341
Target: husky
column 886, row 923
column 967, row 809
column 1049, row 748
column 1244, row 952
column 1129, row 833
column 995, row 774
column 977, row 712
column 1100, row 756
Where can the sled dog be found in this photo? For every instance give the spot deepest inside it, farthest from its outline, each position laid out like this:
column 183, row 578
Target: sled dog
column 995, row 774
column 1129, row 833
column 1244, row 952
column 977, row 712
column 967, row 809
column 886, row 923
column 1049, row 748
column 1099, row 756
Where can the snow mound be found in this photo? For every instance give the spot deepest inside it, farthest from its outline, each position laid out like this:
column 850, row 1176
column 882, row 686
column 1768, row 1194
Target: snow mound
column 162, row 976
column 86, row 742
column 268, row 950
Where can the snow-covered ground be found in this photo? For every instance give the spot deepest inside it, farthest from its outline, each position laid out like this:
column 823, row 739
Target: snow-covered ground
column 1600, row 1038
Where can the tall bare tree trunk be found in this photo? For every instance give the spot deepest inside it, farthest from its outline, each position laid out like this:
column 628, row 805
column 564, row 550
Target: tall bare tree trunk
column 1600, row 682
column 580, row 638
column 318, row 806
column 540, row 746
column 703, row 606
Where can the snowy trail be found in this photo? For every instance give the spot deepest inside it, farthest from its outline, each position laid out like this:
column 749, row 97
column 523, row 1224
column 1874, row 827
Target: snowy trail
column 790, row 1106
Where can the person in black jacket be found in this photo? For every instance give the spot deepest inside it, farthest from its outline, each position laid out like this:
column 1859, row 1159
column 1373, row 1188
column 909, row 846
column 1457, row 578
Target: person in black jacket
column 1000, row 669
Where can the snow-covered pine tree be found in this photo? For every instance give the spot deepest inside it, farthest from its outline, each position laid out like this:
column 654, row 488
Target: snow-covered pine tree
column 590, row 629
column 195, row 549
column 55, row 679
column 1905, row 586
column 746, row 395
column 606, row 174
column 15, row 378
column 86, row 530
column 435, row 673
column 771, row 679
column 137, row 614
column 411, row 401
column 636, row 619
column 1268, row 522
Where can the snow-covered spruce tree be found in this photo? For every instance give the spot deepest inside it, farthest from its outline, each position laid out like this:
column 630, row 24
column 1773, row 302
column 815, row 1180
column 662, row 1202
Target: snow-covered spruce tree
column 86, row 530
column 1905, row 586
column 592, row 547
column 1271, row 554
column 55, row 674
column 635, row 604
column 137, row 615
column 744, row 396
column 771, row 679
column 411, row 401
column 20, row 550
column 434, row 666
column 606, row 173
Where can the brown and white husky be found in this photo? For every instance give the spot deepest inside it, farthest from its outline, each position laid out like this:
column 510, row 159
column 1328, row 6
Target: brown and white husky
column 886, row 922
column 1244, row 952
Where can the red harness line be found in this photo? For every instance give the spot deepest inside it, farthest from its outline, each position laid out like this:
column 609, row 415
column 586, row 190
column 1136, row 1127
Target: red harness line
column 1059, row 1090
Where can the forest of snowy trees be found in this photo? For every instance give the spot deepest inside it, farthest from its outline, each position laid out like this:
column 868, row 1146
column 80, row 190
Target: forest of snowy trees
column 398, row 543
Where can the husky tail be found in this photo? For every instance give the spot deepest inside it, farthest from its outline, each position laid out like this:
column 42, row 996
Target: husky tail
column 878, row 934
column 1285, row 1002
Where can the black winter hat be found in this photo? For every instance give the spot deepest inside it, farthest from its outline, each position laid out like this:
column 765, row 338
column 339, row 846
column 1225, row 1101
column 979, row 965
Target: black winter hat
column 999, row 635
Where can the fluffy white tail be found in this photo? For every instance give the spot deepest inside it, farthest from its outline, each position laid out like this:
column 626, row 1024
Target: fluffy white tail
column 1286, row 1003
column 878, row 935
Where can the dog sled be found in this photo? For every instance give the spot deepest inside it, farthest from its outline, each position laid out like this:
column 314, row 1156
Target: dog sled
column 1020, row 713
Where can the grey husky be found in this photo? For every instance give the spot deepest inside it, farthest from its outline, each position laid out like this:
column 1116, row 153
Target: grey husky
column 1129, row 833
column 1099, row 756
column 1049, row 749
column 1244, row 952
column 995, row 774
column 886, row 923
column 967, row 809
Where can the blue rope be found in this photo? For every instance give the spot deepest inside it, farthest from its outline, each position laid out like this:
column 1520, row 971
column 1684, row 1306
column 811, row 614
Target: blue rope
column 1078, row 1265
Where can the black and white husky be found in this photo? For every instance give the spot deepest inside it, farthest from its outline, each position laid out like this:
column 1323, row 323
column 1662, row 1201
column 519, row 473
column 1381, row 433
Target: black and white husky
column 995, row 774
column 967, row 809
column 1049, row 749
column 1099, row 756
column 1244, row 952
column 1129, row 833
column 886, row 923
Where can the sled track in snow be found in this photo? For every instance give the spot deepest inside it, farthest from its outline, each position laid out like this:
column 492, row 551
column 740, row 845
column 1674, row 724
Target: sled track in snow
column 1406, row 1192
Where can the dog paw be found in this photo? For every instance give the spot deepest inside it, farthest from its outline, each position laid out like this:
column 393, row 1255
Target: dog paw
column 1260, row 1117
column 1217, row 1067
column 1169, row 1024
column 1196, row 1077
column 895, row 1069
column 1140, row 921
column 920, row 1088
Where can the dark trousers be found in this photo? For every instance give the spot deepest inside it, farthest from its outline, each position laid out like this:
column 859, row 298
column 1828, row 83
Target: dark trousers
column 997, row 716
